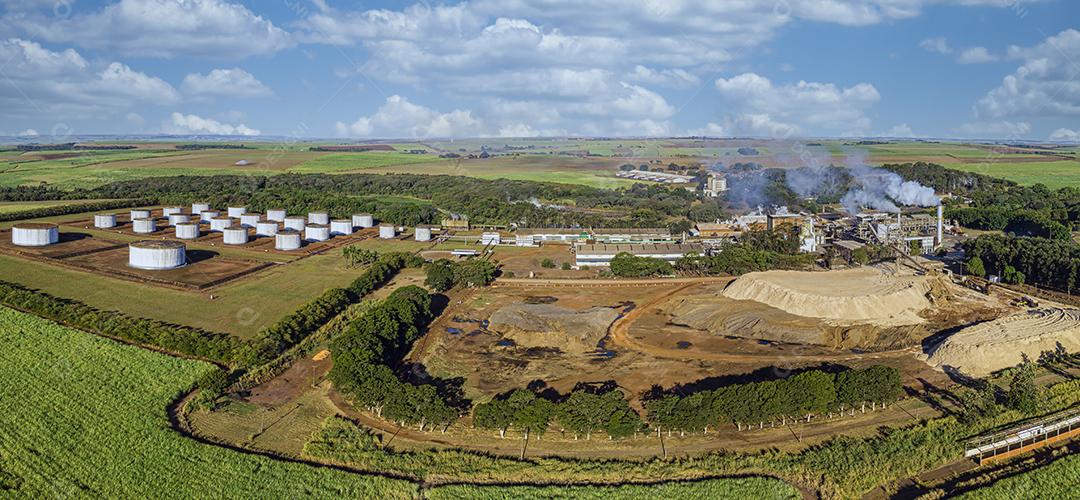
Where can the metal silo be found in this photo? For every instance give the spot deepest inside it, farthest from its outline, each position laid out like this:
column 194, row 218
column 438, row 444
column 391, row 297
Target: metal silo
column 157, row 255
column 34, row 234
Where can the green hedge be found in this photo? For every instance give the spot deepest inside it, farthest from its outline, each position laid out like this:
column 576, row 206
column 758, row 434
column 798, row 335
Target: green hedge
column 75, row 209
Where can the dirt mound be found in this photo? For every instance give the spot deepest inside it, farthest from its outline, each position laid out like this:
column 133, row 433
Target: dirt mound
column 987, row 347
column 864, row 295
column 546, row 325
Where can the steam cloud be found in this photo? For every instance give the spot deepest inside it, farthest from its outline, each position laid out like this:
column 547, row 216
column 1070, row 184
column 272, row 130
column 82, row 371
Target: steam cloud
column 883, row 190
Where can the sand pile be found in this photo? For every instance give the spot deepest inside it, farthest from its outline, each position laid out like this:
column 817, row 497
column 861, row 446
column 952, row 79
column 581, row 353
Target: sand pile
column 547, row 325
column 864, row 295
column 994, row 345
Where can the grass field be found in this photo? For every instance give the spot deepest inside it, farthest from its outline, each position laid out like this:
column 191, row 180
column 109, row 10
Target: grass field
column 19, row 206
column 82, row 416
column 355, row 162
column 1054, row 174
column 595, row 172
column 1059, row 480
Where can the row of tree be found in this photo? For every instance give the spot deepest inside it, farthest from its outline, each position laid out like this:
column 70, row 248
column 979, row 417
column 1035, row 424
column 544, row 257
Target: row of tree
column 582, row 413
column 808, row 393
column 373, row 343
column 626, row 265
column 1046, row 262
column 74, row 208
column 1019, row 222
column 444, row 274
column 738, row 258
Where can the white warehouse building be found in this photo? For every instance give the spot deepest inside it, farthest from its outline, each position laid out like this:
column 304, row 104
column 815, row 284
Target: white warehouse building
column 601, row 255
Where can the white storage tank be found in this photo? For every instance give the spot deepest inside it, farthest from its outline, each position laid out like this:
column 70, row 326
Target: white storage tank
column 363, row 220
column 187, row 230
column 295, row 223
column 198, row 208
column 276, row 214
column 250, row 219
column 144, row 226
column 287, row 239
column 179, row 218
column 318, row 218
column 316, row 232
column 266, row 228
column 156, row 255
column 206, row 215
column 34, row 234
column 236, row 212
column 167, row 211
column 218, row 224
column 387, row 231
column 104, row 221
column 235, row 235
column 423, row 233
column 341, row 226
column 139, row 214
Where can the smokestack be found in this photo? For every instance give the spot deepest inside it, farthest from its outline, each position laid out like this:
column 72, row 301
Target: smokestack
column 940, row 225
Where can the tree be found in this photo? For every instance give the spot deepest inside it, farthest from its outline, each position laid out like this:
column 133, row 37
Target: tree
column 440, row 275
column 1012, row 276
column 547, row 264
column 566, row 266
column 358, row 256
column 1023, row 394
column 474, row 273
column 975, row 267
column 860, row 256
column 628, row 266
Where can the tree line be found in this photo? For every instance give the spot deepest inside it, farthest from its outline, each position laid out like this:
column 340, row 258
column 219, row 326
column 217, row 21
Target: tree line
column 1046, row 262
column 444, row 274
column 75, row 208
column 1019, row 222
column 375, row 341
column 581, row 413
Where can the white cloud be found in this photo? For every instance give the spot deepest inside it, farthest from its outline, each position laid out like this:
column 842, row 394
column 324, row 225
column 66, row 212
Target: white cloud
column 937, row 44
column 975, row 55
column 668, row 77
column 995, row 129
column 1065, row 135
column 191, row 124
column 64, row 85
column 1046, row 84
column 233, row 82
column 28, row 133
column 159, row 28
column 760, row 106
column 398, row 117
column 901, row 130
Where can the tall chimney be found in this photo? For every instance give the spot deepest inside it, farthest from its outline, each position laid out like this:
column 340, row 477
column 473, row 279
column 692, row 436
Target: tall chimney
column 940, row 225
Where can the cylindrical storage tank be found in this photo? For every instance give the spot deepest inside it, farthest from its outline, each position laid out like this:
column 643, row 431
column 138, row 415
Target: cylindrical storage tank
column 318, row 218
column 167, row 211
column 363, row 220
column 341, row 226
column 187, row 230
column 140, row 214
column 250, row 219
column 387, row 231
column 276, row 214
column 296, row 223
column 104, row 220
column 423, row 233
column 236, row 212
column 316, row 232
column 34, row 234
column 156, row 255
column 235, row 235
column 178, row 218
column 198, row 208
column 287, row 239
column 144, row 226
column 218, row 224
column 206, row 215
column 266, row 228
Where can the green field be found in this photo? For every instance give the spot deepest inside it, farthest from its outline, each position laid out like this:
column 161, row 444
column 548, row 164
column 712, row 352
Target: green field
column 82, row 416
column 1054, row 174
column 355, row 162
column 1059, row 480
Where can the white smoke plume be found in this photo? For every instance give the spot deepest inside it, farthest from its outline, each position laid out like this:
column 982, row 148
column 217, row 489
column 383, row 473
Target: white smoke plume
column 882, row 190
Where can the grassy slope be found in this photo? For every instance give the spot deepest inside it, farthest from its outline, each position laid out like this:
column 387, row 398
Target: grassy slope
column 84, row 416
column 1059, row 480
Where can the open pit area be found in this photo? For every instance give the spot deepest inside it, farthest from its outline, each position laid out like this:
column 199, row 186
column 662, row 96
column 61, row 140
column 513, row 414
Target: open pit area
column 561, row 333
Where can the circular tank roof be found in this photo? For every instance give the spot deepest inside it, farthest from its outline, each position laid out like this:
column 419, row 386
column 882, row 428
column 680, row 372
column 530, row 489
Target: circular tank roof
column 36, row 225
column 160, row 244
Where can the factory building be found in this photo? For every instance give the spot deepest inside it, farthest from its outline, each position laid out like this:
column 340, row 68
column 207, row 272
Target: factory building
column 104, row 221
column 266, row 228
column 456, row 224
column 715, row 230
column 423, row 233
column 34, row 234
column 341, row 227
column 317, row 232
column 601, row 255
column 235, row 235
column 363, row 220
column 631, row 235
column 845, row 249
column 144, row 226
column 295, row 223
column 156, row 255
column 276, row 214
column 662, row 177
column 287, row 239
column 387, row 231
column 236, row 212
column 492, row 238
column 321, row 218
column 715, row 184
column 187, row 230
column 533, row 237
column 250, row 219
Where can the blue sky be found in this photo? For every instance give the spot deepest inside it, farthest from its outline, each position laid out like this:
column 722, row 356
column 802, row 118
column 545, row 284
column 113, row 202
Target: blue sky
column 994, row 69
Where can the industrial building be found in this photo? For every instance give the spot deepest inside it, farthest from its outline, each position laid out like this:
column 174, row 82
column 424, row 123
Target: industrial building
column 845, row 249
column 104, row 221
column 492, row 238
column 34, row 234
column 456, row 224
column 715, row 184
column 287, row 239
column 601, row 255
column 157, row 255
column 531, row 237
column 648, row 175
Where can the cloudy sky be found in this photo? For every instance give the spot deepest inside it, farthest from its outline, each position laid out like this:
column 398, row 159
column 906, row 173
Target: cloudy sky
column 520, row 68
